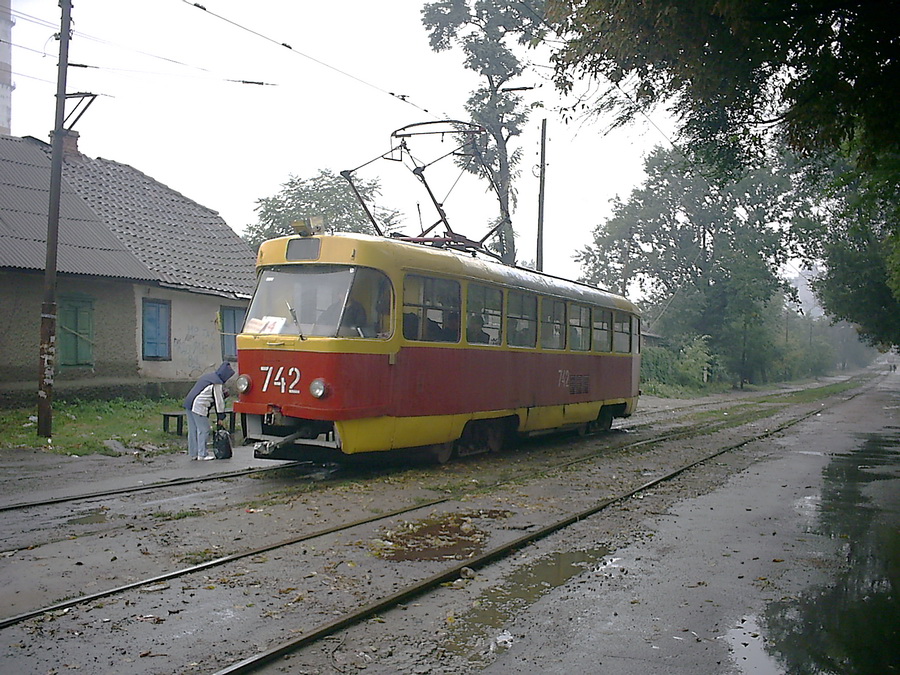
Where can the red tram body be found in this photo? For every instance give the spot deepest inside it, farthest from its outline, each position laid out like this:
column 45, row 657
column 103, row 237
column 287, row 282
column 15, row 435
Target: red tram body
column 362, row 344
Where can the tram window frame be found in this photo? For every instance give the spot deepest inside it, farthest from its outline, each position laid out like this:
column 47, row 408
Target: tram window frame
column 429, row 306
column 621, row 333
column 636, row 333
column 484, row 303
column 553, row 324
column 601, row 329
column 304, row 248
column 521, row 308
column 579, row 339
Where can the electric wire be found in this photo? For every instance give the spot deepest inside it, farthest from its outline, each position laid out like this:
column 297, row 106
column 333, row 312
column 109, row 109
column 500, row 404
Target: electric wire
column 41, row 22
column 400, row 97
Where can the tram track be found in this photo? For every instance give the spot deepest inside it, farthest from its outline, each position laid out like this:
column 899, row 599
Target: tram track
column 411, row 591
column 643, row 421
column 147, row 487
column 349, row 618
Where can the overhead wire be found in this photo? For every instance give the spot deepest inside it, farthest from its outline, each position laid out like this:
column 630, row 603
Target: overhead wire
column 400, row 97
column 131, row 71
column 47, row 24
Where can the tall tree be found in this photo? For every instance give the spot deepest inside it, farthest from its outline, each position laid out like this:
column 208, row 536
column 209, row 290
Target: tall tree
column 325, row 194
column 855, row 232
column 706, row 258
column 817, row 75
column 823, row 72
column 485, row 30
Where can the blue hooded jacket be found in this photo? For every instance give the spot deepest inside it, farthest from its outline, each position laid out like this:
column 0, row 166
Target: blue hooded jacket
column 207, row 385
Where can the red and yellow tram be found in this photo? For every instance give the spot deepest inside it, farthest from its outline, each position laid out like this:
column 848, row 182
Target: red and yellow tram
column 363, row 344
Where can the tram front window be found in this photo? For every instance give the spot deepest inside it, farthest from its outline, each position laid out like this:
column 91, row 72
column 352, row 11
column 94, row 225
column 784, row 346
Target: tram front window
column 321, row 301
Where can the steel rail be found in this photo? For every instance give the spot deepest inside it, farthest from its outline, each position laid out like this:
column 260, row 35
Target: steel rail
column 244, row 472
column 251, row 663
column 392, row 600
column 175, row 482
column 174, row 574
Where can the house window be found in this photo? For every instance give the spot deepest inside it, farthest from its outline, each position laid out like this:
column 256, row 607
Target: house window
column 157, row 321
column 75, row 331
column 232, row 318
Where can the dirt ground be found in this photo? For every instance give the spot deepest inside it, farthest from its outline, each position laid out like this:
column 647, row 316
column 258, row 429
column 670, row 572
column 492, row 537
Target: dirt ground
column 704, row 574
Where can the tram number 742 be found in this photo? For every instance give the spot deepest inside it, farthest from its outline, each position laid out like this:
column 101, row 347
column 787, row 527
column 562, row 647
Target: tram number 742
column 286, row 380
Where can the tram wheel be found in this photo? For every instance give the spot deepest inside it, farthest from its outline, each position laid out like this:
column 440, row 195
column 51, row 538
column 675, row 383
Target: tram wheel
column 604, row 421
column 495, row 435
column 441, row 453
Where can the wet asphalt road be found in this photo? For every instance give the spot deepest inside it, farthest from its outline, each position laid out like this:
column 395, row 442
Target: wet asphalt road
column 791, row 566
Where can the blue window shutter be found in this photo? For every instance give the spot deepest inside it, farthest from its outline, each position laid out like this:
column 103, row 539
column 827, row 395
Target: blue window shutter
column 155, row 323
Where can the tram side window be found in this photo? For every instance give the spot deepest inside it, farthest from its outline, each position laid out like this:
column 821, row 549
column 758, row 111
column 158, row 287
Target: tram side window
column 431, row 309
column 636, row 331
column 368, row 309
column 602, row 330
column 622, row 333
column 521, row 320
column 553, row 324
column 484, row 315
column 579, row 328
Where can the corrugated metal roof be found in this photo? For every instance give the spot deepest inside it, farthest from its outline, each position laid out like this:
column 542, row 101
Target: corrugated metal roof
column 86, row 245
column 113, row 212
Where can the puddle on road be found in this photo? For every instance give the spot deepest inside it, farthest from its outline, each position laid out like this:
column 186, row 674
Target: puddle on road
column 749, row 649
column 498, row 605
column 451, row 536
column 851, row 625
column 92, row 517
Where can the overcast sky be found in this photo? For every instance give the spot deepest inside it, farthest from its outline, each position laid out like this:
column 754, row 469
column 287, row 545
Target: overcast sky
column 169, row 105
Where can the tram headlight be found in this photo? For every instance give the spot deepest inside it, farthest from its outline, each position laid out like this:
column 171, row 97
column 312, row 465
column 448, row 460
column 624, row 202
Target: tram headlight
column 318, row 388
column 242, row 384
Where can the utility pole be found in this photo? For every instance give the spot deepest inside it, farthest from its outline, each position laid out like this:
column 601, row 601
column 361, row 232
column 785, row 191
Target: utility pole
column 48, row 305
column 539, row 259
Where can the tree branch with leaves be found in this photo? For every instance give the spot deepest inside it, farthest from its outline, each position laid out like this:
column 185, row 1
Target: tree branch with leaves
column 326, row 194
column 485, row 30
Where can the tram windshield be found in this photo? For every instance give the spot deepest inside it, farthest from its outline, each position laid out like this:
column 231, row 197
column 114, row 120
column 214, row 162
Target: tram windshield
column 321, row 300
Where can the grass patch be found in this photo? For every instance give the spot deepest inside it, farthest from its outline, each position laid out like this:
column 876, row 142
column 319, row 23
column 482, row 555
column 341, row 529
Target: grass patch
column 812, row 394
column 176, row 515
column 81, row 427
column 199, row 557
column 653, row 388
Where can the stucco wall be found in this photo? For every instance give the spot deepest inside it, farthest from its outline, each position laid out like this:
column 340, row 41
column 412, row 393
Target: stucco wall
column 20, row 324
column 117, row 350
column 196, row 342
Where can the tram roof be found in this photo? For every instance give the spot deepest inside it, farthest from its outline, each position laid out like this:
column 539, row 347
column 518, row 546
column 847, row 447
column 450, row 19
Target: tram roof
column 393, row 255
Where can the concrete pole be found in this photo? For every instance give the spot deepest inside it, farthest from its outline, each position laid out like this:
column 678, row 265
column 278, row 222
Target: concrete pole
column 48, row 305
column 539, row 259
